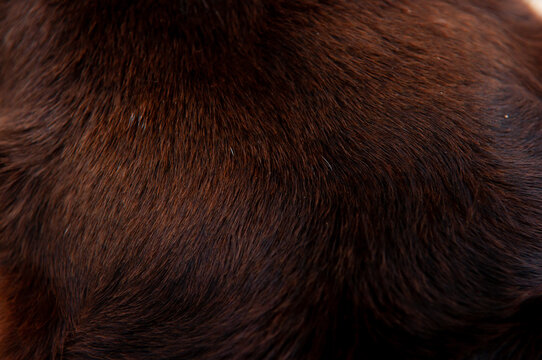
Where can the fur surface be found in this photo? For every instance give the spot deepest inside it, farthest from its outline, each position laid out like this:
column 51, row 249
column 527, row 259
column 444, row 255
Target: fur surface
column 270, row 179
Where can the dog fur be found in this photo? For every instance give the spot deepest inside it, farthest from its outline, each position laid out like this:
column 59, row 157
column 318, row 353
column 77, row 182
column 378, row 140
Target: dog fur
column 270, row 179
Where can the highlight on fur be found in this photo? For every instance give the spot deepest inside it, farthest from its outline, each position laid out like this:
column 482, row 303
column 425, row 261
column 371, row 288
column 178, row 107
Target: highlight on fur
column 270, row 179
column 536, row 6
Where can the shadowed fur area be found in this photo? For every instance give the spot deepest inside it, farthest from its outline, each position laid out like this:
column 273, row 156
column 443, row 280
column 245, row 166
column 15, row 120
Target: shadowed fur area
column 270, row 179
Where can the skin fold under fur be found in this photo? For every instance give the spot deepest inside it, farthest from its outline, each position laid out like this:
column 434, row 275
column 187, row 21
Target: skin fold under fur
column 270, row 179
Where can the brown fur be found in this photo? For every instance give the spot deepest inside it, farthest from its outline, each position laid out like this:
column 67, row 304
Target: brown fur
column 270, row 179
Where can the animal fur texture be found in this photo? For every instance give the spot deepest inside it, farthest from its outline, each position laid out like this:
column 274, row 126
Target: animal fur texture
column 270, row 179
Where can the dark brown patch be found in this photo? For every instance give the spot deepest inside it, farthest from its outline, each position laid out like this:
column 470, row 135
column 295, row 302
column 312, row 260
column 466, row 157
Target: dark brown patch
column 270, row 179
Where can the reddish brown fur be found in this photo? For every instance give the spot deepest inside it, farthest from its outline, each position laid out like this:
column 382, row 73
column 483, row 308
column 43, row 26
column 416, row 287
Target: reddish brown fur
column 270, row 179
